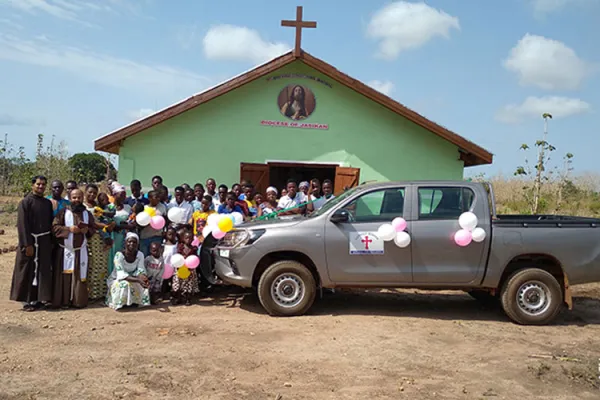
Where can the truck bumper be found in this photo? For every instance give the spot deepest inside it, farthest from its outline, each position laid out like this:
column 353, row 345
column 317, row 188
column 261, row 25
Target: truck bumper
column 236, row 266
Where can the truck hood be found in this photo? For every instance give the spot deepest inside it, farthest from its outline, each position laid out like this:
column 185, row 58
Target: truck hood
column 281, row 222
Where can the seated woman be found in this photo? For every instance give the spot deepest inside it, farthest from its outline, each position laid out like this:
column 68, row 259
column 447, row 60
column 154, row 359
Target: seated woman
column 128, row 283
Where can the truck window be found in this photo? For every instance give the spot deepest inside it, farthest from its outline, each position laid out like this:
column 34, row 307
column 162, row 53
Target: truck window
column 380, row 205
column 444, row 202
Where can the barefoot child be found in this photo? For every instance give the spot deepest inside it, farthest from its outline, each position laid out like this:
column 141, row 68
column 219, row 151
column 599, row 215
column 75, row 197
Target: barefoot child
column 183, row 289
column 155, row 268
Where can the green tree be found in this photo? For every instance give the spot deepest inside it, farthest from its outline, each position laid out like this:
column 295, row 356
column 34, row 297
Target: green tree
column 91, row 167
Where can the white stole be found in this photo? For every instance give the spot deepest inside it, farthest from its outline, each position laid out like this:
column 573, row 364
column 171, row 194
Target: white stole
column 69, row 251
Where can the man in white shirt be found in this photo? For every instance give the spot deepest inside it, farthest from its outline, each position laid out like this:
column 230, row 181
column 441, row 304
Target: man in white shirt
column 70, row 185
column 179, row 202
column 293, row 198
column 221, row 197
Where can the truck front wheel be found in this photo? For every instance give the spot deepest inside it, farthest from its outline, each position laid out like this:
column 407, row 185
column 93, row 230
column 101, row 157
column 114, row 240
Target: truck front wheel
column 532, row 297
column 287, row 288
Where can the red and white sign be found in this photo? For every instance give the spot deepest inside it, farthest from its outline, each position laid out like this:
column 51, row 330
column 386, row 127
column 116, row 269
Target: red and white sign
column 294, row 124
column 365, row 243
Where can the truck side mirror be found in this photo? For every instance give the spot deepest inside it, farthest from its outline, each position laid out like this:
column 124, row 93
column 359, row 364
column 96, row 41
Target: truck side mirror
column 340, row 216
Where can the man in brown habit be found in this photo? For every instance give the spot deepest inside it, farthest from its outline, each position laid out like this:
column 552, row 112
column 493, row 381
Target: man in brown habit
column 72, row 227
column 32, row 276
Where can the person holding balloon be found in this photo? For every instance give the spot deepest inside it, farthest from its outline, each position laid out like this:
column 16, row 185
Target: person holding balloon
column 152, row 232
column 185, row 280
column 200, row 216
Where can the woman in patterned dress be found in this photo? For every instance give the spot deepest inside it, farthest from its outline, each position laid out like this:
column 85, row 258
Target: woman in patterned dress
column 97, row 244
column 128, row 283
column 123, row 225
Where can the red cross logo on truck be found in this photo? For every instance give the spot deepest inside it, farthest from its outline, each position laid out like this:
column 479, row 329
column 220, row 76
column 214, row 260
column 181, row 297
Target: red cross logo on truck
column 366, row 241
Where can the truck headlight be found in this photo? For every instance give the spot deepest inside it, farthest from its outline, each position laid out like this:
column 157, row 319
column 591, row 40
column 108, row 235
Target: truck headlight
column 241, row 237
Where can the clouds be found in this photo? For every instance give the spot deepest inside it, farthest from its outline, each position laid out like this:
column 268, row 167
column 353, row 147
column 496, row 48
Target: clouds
column 542, row 7
column 549, row 65
column 534, row 107
column 238, row 43
column 12, row 120
column 546, row 63
column 70, row 10
column 134, row 115
column 101, row 68
column 401, row 26
column 385, row 87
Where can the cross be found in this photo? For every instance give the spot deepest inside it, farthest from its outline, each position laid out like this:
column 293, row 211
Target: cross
column 366, row 241
column 298, row 24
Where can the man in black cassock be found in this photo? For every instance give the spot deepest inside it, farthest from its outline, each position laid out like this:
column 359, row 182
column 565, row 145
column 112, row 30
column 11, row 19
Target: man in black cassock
column 32, row 276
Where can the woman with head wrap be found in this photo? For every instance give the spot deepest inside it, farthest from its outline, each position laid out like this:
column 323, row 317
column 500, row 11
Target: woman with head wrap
column 270, row 204
column 122, row 224
column 128, row 283
column 304, row 186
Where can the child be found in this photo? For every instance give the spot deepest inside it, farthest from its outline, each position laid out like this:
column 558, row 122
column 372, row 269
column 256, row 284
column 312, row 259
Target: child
column 230, row 205
column 183, row 289
column 169, row 248
column 155, row 268
column 200, row 217
column 104, row 213
column 136, row 209
column 148, row 234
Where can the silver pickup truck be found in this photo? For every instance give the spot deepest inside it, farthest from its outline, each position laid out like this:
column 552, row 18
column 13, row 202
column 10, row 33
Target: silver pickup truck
column 526, row 262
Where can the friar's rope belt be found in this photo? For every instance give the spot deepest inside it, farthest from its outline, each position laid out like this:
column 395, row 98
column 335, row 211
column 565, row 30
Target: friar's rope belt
column 35, row 259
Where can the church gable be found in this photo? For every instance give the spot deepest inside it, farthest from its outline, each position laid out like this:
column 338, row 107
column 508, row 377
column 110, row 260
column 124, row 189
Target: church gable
column 287, row 70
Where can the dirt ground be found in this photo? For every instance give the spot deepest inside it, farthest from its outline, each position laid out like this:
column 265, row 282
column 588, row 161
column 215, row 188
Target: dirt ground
column 359, row 345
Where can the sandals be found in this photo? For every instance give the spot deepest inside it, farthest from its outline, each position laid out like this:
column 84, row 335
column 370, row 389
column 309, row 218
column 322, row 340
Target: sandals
column 29, row 308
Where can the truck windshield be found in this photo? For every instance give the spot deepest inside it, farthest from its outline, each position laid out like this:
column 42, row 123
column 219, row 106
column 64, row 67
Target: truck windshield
column 336, row 200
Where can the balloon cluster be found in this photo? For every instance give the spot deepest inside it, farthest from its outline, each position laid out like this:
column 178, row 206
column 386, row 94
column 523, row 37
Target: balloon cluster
column 181, row 265
column 220, row 224
column 395, row 231
column 149, row 217
column 469, row 231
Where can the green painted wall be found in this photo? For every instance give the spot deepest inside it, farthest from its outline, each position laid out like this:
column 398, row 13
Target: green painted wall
column 212, row 139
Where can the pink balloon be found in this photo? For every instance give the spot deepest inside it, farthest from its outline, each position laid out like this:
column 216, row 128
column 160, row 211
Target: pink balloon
column 463, row 237
column 399, row 224
column 157, row 222
column 217, row 233
column 168, row 272
column 192, row 262
column 196, row 242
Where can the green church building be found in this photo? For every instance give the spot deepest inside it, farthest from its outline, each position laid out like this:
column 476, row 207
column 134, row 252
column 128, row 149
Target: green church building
column 294, row 116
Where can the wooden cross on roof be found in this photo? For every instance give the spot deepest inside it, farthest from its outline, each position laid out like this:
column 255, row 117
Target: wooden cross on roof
column 298, row 24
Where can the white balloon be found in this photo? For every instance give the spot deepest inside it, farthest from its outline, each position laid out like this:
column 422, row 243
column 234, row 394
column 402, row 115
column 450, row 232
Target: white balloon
column 143, row 218
column 238, row 218
column 213, row 220
column 206, row 231
column 478, row 235
column 468, row 221
column 176, row 215
column 402, row 239
column 177, row 260
column 386, row 232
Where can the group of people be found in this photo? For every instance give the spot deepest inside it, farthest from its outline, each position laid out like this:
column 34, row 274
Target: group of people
column 87, row 246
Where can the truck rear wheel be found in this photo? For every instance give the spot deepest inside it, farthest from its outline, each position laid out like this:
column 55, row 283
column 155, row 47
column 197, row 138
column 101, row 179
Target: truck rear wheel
column 287, row 288
column 532, row 297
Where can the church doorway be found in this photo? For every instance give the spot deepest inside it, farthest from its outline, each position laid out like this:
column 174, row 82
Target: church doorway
column 277, row 174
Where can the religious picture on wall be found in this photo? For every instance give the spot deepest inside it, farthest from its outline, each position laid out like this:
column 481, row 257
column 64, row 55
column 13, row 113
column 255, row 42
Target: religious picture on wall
column 296, row 102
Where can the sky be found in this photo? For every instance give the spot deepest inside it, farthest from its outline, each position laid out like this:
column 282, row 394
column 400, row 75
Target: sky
column 487, row 70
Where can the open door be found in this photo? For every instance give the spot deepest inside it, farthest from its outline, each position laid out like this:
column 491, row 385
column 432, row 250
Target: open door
column 345, row 177
column 258, row 174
